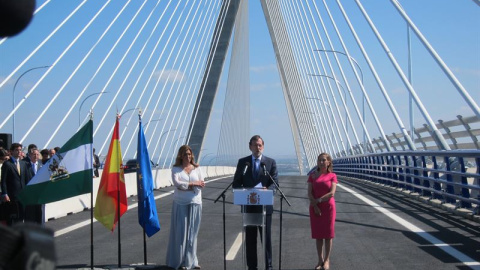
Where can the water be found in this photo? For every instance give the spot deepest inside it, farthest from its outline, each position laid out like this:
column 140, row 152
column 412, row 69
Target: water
column 287, row 166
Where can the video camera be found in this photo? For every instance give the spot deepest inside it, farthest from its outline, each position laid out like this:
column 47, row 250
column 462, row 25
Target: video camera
column 27, row 246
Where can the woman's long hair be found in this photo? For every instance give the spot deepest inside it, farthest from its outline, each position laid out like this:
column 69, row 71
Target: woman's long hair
column 330, row 163
column 181, row 151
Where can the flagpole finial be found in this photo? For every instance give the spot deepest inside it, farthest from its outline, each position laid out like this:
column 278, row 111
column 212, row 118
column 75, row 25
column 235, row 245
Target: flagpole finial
column 91, row 114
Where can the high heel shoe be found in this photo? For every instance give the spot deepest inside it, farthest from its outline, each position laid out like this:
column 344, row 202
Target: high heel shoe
column 319, row 266
column 326, row 265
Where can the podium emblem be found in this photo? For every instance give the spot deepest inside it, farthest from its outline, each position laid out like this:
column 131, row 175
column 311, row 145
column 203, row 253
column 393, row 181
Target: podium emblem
column 253, row 198
column 243, row 196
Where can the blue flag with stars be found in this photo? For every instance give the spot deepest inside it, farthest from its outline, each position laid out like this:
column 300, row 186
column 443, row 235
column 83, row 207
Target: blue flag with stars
column 147, row 210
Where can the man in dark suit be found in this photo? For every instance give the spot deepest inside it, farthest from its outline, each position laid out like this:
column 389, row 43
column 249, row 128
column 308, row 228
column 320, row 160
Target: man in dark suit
column 13, row 179
column 34, row 212
column 254, row 171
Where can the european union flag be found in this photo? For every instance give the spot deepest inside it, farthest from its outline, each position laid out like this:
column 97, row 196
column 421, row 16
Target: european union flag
column 147, row 210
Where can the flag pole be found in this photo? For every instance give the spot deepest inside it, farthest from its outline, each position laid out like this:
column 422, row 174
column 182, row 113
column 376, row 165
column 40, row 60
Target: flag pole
column 144, row 247
column 119, row 241
column 118, row 213
column 144, row 238
column 91, row 211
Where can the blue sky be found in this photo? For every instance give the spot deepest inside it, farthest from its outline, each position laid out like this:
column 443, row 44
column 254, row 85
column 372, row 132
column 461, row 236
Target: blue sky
column 452, row 27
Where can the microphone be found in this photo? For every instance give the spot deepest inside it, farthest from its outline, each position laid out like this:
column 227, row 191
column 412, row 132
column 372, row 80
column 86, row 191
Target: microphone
column 246, row 167
column 264, row 168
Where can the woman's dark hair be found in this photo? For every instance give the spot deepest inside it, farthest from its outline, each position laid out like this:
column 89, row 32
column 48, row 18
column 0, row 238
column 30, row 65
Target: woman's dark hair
column 3, row 153
column 181, row 151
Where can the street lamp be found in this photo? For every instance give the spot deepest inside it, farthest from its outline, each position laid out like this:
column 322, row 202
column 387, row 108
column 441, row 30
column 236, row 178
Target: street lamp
column 345, row 96
column 339, row 84
column 324, row 102
column 144, row 125
column 204, row 156
column 127, row 110
column 353, row 59
column 361, row 73
column 80, row 109
column 160, row 140
column 13, row 94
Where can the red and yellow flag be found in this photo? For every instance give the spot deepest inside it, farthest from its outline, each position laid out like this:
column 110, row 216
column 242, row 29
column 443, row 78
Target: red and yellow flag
column 112, row 186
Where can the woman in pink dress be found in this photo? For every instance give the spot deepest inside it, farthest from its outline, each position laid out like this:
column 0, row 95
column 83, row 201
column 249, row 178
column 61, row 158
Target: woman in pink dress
column 322, row 184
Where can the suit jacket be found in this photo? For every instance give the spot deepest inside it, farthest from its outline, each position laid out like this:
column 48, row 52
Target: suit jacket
column 12, row 183
column 30, row 171
column 248, row 180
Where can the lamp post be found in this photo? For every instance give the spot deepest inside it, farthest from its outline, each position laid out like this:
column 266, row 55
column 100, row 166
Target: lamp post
column 344, row 92
column 155, row 120
column 206, row 155
column 345, row 96
column 13, row 94
column 353, row 59
column 324, row 102
column 173, row 150
column 160, row 140
column 80, row 109
column 361, row 73
column 129, row 110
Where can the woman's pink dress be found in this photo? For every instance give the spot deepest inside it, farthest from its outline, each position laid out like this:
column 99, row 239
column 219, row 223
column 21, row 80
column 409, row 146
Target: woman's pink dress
column 323, row 226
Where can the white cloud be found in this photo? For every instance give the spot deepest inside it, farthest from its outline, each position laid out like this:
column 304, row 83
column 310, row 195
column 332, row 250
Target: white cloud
column 466, row 71
column 170, row 75
column 263, row 86
column 267, row 68
column 398, row 90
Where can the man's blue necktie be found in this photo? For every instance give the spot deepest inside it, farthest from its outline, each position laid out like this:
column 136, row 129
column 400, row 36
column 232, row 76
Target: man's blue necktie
column 256, row 168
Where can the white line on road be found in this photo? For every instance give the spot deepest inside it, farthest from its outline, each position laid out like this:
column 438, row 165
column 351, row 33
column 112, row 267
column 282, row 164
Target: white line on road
column 86, row 222
column 430, row 238
column 132, row 206
column 232, row 252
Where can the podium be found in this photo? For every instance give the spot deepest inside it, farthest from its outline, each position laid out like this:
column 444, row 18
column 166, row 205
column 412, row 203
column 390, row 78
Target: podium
column 253, row 197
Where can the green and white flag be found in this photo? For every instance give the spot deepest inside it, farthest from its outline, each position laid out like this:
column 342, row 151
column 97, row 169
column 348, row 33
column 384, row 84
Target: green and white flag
column 69, row 173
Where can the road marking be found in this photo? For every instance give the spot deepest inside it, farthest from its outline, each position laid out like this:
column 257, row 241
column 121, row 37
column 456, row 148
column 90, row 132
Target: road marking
column 232, row 252
column 132, row 206
column 86, row 222
column 430, row 238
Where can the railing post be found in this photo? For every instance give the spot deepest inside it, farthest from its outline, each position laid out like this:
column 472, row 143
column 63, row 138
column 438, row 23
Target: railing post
column 465, row 191
column 436, row 185
column 416, row 181
column 426, row 183
column 476, row 211
column 400, row 172
column 449, row 189
column 390, row 164
column 383, row 162
column 408, row 178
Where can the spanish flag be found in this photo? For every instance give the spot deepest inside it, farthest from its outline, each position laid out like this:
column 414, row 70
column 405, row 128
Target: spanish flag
column 111, row 201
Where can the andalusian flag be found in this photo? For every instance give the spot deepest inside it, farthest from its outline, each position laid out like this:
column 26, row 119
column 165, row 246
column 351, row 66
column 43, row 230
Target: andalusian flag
column 147, row 210
column 112, row 186
column 67, row 174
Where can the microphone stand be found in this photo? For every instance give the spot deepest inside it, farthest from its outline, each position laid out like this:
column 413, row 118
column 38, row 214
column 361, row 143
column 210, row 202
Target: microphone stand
column 224, row 236
column 282, row 197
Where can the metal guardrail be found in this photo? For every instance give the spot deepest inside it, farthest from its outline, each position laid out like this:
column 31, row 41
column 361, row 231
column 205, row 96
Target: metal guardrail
column 449, row 176
column 460, row 133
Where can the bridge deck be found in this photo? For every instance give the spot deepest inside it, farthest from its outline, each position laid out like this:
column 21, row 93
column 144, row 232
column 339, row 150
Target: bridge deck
column 366, row 238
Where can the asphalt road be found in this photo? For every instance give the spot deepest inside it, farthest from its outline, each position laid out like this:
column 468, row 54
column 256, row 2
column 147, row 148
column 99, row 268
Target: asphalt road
column 376, row 228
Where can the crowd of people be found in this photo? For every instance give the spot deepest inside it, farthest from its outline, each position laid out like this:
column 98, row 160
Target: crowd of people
column 17, row 168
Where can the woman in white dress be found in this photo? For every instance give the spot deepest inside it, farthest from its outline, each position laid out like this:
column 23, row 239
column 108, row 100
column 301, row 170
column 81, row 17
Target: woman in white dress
column 187, row 178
